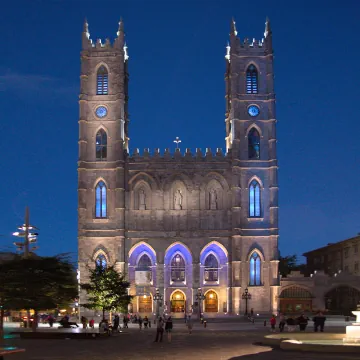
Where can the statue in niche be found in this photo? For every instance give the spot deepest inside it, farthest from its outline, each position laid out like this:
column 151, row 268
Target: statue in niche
column 142, row 197
column 213, row 199
column 178, row 200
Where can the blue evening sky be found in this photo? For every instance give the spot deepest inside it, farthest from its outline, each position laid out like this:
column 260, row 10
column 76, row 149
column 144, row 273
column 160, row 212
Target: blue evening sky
column 177, row 70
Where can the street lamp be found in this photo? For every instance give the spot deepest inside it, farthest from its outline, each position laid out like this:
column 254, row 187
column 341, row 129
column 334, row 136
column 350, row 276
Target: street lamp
column 199, row 297
column 26, row 233
column 158, row 298
column 246, row 296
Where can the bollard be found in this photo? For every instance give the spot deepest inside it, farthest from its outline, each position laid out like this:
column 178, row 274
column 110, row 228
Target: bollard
column 204, row 323
column 264, row 322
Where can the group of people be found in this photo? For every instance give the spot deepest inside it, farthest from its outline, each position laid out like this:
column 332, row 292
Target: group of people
column 162, row 322
column 301, row 321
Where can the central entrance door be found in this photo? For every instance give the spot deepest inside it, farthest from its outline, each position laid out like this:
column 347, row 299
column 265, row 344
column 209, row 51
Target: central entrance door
column 211, row 302
column 177, row 302
column 145, row 304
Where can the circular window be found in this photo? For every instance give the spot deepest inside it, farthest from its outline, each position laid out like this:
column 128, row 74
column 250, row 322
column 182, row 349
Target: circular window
column 101, row 111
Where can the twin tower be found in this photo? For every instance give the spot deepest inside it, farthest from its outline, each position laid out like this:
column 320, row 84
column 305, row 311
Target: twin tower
column 181, row 224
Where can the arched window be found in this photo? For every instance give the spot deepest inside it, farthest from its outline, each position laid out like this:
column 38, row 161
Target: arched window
column 144, row 263
column 253, row 144
column 101, row 261
column 102, row 81
column 100, row 200
column 254, row 199
column 251, row 80
column 177, row 268
column 101, row 145
column 255, row 269
column 211, row 268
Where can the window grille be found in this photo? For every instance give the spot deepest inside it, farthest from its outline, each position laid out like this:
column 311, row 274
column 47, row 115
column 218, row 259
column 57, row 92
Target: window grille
column 251, row 80
column 253, row 144
column 255, row 269
column 211, row 268
column 102, row 81
column 177, row 268
column 295, row 292
column 254, row 199
column 100, row 200
column 101, row 145
column 101, row 261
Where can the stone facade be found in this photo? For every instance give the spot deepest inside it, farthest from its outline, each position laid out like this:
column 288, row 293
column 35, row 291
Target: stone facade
column 180, row 222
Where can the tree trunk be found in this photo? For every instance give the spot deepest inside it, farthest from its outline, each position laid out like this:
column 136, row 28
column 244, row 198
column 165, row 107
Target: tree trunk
column 103, row 314
column 2, row 313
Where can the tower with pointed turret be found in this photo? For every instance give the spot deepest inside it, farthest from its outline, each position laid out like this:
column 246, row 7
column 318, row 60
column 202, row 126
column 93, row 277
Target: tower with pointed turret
column 179, row 224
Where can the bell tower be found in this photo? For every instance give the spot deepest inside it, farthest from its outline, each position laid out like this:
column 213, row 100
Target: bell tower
column 103, row 139
column 251, row 141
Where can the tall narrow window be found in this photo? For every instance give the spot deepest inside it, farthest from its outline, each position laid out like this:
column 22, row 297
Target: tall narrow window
column 177, row 268
column 101, row 261
column 144, row 263
column 255, row 269
column 101, row 145
column 143, row 270
column 251, row 80
column 254, row 199
column 100, row 200
column 254, row 144
column 102, row 81
column 211, row 268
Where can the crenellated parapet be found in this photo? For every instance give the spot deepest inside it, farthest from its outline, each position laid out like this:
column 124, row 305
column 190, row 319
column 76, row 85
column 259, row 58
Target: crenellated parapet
column 178, row 155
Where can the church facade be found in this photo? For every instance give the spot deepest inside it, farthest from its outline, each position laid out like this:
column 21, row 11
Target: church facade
column 179, row 224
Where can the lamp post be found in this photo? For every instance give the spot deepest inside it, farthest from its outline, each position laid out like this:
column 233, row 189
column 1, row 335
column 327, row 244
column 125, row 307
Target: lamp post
column 157, row 298
column 28, row 236
column 246, row 296
column 199, row 297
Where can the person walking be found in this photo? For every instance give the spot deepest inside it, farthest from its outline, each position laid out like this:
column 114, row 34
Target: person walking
column 146, row 322
column 168, row 328
column 159, row 329
column 116, row 323
column 302, row 320
column 273, row 323
column 319, row 321
column 84, row 322
column 140, row 320
column 282, row 322
column 189, row 324
column 92, row 323
column 51, row 320
column 125, row 322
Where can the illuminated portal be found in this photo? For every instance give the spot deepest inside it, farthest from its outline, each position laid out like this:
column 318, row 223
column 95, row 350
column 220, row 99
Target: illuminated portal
column 145, row 304
column 211, row 301
column 178, row 302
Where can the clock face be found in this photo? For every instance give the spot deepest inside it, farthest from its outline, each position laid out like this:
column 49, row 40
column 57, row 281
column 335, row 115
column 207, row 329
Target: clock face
column 253, row 110
column 101, row 111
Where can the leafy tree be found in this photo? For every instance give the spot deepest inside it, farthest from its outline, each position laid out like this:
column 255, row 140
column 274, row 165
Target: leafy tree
column 107, row 290
column 287, row 264
column 37, row 283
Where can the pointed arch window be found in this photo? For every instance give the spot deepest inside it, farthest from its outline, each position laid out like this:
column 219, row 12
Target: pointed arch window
column 102, row 81
column 211, row 268
column 254, row 199
column 101, row 145
column 251, row 80
column 144, row 268
column 255, row 269
column 100, row 200
column 144, row 263
column 254, row 144
column 177, row 268
column 101, row 261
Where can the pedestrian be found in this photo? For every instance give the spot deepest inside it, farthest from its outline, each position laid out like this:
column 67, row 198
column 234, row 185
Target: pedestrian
column 146, row 322
column 140, row 320
column 51, row 320
column 159, row 329
column 319, row 321
column 302, row 320
column 189, row 324
column 273, row 323
column 125, row 322
column 282, row 322
column 116, row 323
column 92, row 323
column 185, row 317
column 291, row 324
column 252, row 312
column 84, row 322
column 168, row 328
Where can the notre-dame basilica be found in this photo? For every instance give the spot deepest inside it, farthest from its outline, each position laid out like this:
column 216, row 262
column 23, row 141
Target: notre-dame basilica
column 181, row 223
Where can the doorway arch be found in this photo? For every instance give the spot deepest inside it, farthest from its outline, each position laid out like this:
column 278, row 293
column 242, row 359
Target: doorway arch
column 342, row 300
column 178, row 301
column 145, row 303
column 211, row 301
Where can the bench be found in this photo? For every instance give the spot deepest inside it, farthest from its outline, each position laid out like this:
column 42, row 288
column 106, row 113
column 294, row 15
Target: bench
column 9, row 350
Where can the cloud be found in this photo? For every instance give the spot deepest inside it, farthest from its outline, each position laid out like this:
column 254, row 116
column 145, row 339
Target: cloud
column 34, row 83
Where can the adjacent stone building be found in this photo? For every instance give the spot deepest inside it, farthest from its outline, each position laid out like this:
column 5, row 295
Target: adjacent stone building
column 180, row 223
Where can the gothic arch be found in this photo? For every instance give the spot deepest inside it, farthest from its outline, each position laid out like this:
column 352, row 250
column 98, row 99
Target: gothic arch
column 256, row 127
column 217, row 249
column 178, row 247
column 254, row 177
column 139, row 256
column 177, row 195
column 218, row 177
column 101, row 250
column 145, row 178
column 102, row 63
column 141, row 248
column 303, row 287
column 180, row 177
column 175, row 291
column 258, row 251
column 214, row 195
column 252, row 62
column 101, row 179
